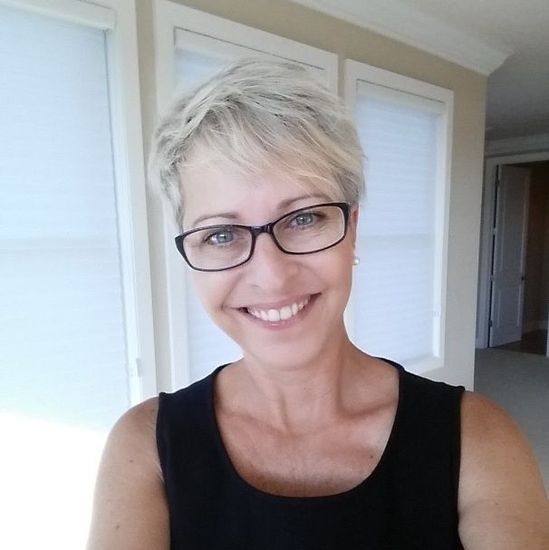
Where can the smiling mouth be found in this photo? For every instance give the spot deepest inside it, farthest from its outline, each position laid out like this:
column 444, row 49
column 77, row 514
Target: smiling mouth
column 278, row 315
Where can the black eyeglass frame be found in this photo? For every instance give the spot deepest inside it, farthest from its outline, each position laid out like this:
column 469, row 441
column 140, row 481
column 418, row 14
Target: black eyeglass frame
column 256, row 230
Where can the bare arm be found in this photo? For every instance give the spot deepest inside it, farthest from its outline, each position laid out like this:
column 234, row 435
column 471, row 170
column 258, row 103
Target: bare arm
column 502, row 502
column 130, row 509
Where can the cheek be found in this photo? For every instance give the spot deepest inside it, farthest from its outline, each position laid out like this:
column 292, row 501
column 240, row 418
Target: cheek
column 344, row 255
column 342, row 266
column 211, row 288
column 335, row 268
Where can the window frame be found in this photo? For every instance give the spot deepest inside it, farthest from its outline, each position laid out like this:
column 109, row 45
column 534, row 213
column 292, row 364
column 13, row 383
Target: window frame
column 355, row 73
column 117, row 19
column 171, row 306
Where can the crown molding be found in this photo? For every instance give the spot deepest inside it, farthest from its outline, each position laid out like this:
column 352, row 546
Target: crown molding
column 406, row 24
column 523, row 144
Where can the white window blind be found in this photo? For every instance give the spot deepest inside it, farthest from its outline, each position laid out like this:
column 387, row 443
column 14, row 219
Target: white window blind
column 197, row 56
column 192, row 68
column 397, row 296
column 63, row 351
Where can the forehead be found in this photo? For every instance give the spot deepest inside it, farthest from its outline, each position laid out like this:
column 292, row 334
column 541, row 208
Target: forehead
column 220, row 188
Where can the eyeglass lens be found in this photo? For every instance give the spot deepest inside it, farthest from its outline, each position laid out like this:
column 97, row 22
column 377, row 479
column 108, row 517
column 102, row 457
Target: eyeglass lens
column 300, row 232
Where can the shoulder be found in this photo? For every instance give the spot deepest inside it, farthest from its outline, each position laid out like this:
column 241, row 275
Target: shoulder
column 135, row 432
column 502, row 502
column 130, row 508
column 494, row 447
column 480, row 416
column 487, row 430
column 140, row 418
column 132, row 440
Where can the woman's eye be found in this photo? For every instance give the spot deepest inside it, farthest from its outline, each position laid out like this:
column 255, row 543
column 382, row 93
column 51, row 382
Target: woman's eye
column 220, row 237
column 303, row 219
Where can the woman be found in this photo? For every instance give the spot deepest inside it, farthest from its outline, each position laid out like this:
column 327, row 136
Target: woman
column 306, row 442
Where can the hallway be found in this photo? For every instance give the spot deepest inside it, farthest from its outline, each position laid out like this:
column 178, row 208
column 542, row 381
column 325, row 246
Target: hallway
column 519, row 382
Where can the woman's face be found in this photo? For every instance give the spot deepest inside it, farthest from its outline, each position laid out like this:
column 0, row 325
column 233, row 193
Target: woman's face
column 239, row 299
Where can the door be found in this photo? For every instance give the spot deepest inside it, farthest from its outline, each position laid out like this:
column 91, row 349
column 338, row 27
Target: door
column 507, row 280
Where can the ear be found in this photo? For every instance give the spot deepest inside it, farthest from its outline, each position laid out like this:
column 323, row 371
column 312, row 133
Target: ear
column 354, row 215
column 353, row 221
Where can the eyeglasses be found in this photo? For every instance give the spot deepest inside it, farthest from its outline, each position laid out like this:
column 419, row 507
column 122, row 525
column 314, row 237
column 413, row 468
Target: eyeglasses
column 303, row 231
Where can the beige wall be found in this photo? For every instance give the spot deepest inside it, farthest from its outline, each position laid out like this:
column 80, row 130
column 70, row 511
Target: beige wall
column 348, row 41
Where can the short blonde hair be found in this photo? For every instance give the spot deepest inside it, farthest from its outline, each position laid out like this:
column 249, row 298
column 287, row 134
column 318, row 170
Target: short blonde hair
column 260, row 115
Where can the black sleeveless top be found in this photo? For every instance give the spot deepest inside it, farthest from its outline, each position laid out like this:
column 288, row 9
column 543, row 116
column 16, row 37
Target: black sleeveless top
column 408, row 502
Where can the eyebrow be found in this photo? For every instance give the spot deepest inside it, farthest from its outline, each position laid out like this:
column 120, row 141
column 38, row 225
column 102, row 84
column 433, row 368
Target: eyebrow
column 281, row 206
column 226, row 215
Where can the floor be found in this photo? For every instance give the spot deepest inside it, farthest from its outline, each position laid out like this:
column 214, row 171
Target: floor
column 531, row 342
column 519, row 382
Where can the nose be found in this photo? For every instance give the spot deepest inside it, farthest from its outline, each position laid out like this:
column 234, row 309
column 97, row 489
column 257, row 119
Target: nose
column 269, row 267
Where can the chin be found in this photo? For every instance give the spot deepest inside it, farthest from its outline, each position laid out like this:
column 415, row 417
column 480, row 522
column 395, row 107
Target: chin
column 290, row 353
column 283, row 358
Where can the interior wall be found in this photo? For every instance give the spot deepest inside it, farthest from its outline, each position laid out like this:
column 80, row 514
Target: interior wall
column 545, row 268
column 302, row 24
column 537, row 251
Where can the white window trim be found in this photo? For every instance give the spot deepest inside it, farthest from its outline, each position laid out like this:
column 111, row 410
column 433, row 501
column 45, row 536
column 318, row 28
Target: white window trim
column 360, row 72
column 174, row 368
column 131, row 196
column 169, row 16
column 79, row 12
column 117, row 17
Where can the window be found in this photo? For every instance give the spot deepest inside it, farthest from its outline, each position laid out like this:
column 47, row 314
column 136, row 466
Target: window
column 397, row 305
column 191, row 46
column 75, row 336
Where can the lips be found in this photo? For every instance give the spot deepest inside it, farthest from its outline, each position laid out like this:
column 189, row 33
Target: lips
column 275, row 315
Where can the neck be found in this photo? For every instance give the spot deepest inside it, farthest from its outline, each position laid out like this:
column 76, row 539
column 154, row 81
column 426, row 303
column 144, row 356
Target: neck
column 303, row 396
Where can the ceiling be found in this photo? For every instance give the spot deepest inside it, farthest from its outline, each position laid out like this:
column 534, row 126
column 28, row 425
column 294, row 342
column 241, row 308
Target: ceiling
column 507, row 40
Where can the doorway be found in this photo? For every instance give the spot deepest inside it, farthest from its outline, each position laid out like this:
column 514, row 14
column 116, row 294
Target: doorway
column 515, row 379
column 513, row 308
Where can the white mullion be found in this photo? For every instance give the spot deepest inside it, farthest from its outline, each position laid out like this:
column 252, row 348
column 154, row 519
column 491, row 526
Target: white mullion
column 349, row 97
column 174, row 365
column 128, row 161
column 442, row 220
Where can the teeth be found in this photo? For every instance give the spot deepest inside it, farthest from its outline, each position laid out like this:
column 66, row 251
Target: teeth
column 276, row 315
column 286, row 313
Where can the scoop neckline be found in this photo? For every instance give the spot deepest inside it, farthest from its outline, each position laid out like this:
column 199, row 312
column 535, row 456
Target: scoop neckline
column 247, row 486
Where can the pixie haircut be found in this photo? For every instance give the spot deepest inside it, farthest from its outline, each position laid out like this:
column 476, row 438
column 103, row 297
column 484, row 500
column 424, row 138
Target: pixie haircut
column 258, row 116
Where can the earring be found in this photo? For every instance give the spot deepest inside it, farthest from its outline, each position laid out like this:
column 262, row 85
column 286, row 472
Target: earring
column 356, row 260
